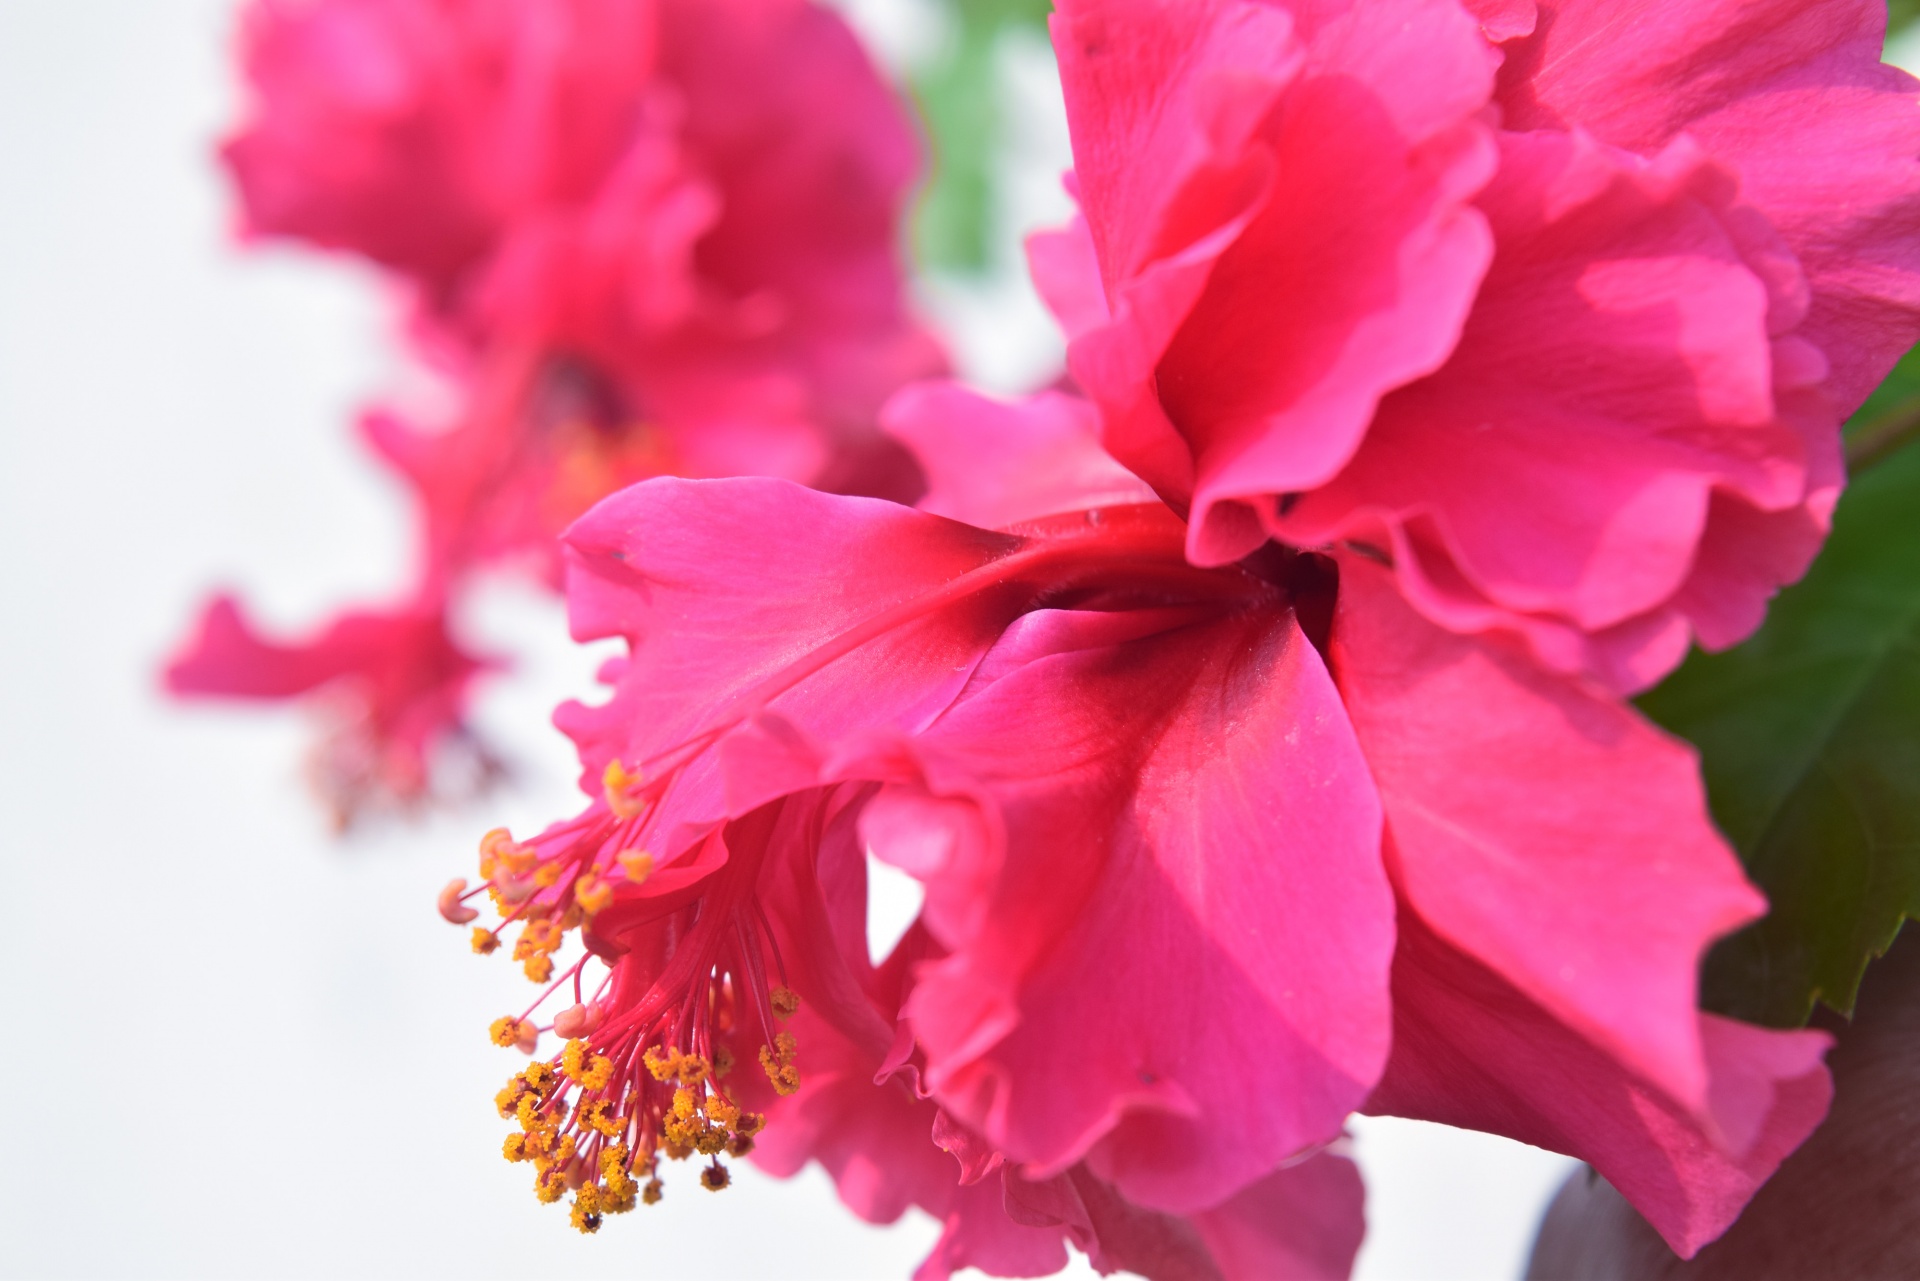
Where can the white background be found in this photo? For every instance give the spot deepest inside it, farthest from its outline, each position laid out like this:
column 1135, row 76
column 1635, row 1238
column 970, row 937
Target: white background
column 234, row 1045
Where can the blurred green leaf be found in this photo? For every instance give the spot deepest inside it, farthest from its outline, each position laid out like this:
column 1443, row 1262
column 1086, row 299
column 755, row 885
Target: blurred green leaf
column 960, row 97
column 1809, row 734
column 1901, row 13
column 1897, row 393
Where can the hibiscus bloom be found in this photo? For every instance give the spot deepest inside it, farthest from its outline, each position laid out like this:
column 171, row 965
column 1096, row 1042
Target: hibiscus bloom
column 1558, row 306
column 1213, row 856
column 640, row 238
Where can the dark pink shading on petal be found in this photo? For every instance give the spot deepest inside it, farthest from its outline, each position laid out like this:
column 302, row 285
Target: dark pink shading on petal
column 1154, row 859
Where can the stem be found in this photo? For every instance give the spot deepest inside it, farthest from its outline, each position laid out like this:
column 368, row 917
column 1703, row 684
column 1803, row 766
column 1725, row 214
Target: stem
column 1883, row 437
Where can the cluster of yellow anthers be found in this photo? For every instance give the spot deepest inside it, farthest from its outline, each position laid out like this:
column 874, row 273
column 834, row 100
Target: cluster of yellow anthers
column 515, row 876
column 595, row 1147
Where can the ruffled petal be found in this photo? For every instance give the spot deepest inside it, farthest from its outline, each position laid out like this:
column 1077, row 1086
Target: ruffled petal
column 1154, row 858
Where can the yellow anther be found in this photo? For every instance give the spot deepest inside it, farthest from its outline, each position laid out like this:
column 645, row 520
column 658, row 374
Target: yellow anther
column 685, row 1105
column 592, row 893
column 549, row 1187
column 721, row 1112
column 498, row 850
column 740, row 1145
column 539, row 968
column 776, row 1061
column 515, row 1148
column 637, row 864
column 519, row 1033
column 715, row 1176
column 613, row 1163
column 623, row 790
column 594, row 1116
column 484, row 941
column 531, row 1118
column 538, row 938
column 661, row 1062
column 509, row 1099
column 490, row 847
column 785, row 1002
column 693, row 1069
column 750, row 1123
column 710, row 1142
column 547, row 875
column 651, row 1192
column 539, row 1077
column 591, row 1070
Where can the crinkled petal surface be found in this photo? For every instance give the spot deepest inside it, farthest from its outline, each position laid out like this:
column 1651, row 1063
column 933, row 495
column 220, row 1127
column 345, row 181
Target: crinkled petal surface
column 1616, row 374
column 1792, row 93
column 1277, row 196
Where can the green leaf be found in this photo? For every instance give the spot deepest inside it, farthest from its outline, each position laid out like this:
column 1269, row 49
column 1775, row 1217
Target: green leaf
column 960, row 97
column 1809, row 734
column 1901, row 13
column 1897, row 393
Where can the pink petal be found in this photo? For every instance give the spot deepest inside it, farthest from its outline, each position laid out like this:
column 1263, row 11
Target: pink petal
column 1155, row 862
column 1617, row 373
column 1793, row 95
column 994, row 465
column 1304, row 1222
column 1472, row 1050
column 1257, row 322
column 1598, row 905
column 734, row 593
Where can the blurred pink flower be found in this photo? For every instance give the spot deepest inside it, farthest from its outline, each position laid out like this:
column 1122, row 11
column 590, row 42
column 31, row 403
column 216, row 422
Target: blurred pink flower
column 642, row 238
column 1558, row 308
column 1167, row 818
column 403, row 682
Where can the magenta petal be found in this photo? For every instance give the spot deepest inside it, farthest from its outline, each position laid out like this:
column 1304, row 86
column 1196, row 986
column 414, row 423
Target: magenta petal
column 1792, row 93
column 1156, row 864
column 979, row 1233
column 732, row 593
column 1617, row 370
column 1303, row 1223
column 1280, row 213
column 1597, row 905
column 1471, row 1050
column 993, row 465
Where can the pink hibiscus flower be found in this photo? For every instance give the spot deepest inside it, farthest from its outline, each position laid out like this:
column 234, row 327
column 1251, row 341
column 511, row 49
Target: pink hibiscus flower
column 641, row 238
column 1213, row 856
column 1558, row 306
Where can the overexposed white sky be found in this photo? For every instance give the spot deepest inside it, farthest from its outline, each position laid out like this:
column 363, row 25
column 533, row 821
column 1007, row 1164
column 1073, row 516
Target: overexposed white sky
column 241, row 1048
